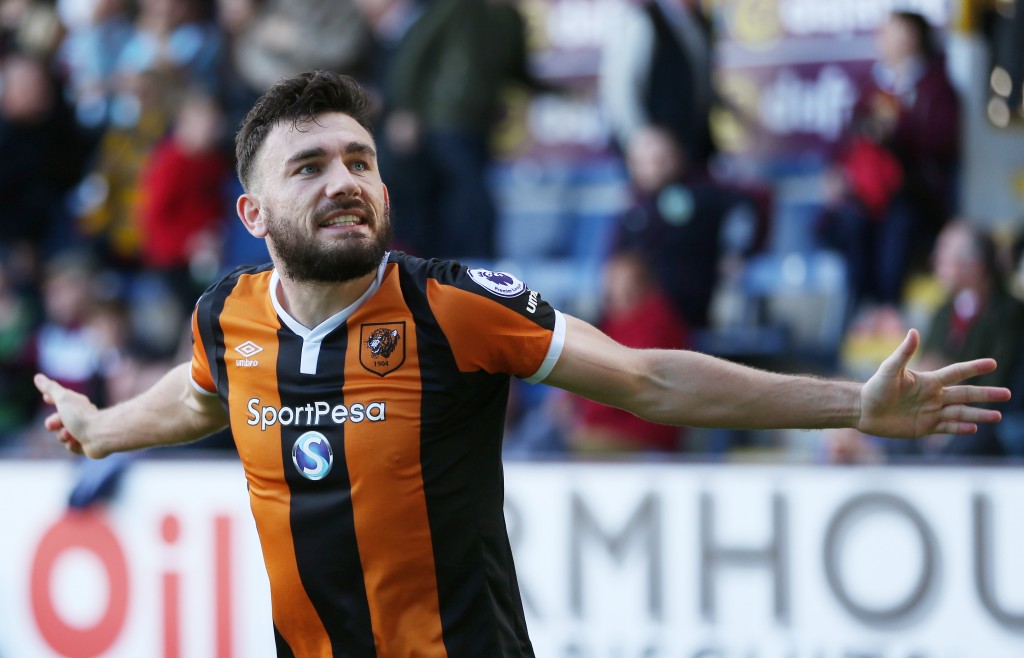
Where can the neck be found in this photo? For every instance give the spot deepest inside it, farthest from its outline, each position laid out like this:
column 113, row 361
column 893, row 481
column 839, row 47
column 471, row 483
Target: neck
column 310, row 303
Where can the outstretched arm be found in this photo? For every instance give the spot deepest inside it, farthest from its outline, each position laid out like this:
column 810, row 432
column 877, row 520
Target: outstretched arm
column 680, row 387
column 172, row 411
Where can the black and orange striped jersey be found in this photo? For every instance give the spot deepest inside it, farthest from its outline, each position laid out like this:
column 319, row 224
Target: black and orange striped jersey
column 372, row 449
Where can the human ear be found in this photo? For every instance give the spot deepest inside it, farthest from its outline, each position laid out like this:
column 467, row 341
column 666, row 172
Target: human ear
column 248, row 209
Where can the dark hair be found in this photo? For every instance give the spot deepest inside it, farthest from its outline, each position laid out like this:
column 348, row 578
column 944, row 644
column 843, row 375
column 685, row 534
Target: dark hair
column 988, row 254
column 926, row 40
column 297, row 99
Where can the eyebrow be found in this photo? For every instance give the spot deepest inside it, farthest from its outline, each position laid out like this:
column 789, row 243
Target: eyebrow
column 319, row 152
column 361, row 148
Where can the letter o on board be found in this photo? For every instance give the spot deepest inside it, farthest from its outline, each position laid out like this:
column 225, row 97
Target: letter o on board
column 85, row 531
column 836, row 531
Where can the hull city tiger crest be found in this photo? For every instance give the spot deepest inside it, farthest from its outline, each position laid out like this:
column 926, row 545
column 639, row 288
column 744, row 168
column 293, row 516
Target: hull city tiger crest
column 382, row 346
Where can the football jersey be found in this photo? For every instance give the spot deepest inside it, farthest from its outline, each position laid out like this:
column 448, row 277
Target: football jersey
column 372, row 450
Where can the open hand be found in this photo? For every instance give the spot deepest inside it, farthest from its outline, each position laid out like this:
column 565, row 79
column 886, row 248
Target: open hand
column 898, row 402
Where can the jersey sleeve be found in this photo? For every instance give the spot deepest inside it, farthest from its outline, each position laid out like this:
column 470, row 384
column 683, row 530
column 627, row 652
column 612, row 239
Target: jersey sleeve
column 495, row 323
column 202, row 375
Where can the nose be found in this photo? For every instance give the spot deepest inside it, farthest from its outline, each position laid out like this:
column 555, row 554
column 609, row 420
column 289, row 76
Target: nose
column 341, row 182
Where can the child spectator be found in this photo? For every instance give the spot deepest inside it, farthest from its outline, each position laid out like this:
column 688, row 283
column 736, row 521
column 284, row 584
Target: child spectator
column 183, row 188
column 64, row 347
column 689, row 226
column 636, row 314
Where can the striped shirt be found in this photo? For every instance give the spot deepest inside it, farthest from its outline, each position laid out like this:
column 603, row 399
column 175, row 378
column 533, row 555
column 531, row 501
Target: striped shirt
column 372, row 450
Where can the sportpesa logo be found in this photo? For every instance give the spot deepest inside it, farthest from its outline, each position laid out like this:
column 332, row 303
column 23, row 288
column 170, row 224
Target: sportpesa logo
column 312, row 456
column 314, row 413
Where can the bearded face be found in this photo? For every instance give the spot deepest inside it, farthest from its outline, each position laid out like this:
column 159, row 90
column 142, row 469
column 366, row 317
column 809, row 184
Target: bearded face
column 318, row 199
column 304, row 258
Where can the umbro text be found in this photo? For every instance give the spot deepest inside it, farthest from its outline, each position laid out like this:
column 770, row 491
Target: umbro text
column 531, row 303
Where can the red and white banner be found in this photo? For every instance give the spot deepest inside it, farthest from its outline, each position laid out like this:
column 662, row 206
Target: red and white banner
column 614, row 561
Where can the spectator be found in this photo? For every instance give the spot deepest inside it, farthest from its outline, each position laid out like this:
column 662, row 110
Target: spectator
column 847, row 446
column 183, row 190
column 89, row 54
column 683, row 221
column 411, row 191
column 37, row 126
column 1016, row 268
column 109, row 207
column 979, row 317
column 65, row 345
column 17, row 323
column 32, row 27
column 636, row 314
column 235, row 18
column 444, row 89
column 891, row 188
column 285, row 36
column 656, row 69
column 177, row 38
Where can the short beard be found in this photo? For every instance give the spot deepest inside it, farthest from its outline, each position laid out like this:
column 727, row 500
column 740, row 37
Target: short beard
column 307, row 261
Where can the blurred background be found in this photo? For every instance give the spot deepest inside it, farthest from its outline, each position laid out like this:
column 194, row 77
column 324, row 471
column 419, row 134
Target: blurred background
column 787, row 183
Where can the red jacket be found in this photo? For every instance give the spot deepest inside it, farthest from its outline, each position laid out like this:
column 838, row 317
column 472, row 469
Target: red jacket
column 652, row 323
column 182, row 195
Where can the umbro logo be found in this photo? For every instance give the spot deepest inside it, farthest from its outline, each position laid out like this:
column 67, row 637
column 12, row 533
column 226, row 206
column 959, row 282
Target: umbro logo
column 248, row 349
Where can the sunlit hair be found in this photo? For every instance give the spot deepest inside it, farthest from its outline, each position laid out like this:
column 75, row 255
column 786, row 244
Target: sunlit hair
column 298, row 100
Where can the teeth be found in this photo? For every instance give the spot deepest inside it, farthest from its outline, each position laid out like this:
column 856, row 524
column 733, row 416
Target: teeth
column 342, row 220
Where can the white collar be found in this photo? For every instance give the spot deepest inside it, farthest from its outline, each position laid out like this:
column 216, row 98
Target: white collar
column 331, row 323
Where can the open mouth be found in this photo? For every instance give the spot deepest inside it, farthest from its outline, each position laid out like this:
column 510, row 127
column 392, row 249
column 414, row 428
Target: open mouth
column 342, row 221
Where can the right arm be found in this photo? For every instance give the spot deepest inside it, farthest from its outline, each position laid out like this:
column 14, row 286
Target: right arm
column 172, row 411
column 681, row 387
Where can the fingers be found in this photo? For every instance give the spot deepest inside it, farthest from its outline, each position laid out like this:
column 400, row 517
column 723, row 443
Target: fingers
column 899, row 359
column 957, row 372
column 44, row 384
column 974, row 394
column 47, row 387
column 70, row 442
column 53, row 422
column 954, row 427
column 964, row 413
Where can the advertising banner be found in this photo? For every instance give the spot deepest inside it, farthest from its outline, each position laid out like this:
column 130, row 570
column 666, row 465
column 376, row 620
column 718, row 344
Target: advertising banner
column 614, row 561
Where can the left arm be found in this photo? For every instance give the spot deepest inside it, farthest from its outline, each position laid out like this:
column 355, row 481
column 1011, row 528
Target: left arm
column 680, row 387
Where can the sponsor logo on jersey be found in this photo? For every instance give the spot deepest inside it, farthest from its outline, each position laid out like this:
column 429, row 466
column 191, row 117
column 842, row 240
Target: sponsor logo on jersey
column 312, row 455
column 248, row 349
column 531, row 303
column 314, row 413
column 382, row 346
column 501, row 284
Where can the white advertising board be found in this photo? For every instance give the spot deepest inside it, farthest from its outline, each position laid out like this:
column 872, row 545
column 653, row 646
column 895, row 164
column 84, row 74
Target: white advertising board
column 614, row 561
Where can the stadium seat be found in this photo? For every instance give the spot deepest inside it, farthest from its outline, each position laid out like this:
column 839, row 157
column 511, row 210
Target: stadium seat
column 793, row 307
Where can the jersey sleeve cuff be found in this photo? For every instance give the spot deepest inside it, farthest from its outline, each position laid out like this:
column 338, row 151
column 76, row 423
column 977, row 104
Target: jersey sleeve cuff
column 200, row 389
column 554, row 351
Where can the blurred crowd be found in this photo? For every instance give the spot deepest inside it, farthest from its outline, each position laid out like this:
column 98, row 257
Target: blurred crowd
column 117, row 195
